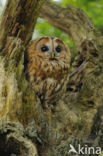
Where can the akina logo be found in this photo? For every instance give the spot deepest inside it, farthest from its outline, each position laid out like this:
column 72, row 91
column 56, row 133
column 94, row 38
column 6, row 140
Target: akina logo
column 84, row 150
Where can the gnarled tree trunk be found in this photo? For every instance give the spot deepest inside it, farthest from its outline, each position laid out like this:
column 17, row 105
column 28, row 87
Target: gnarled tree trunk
column 25, row 127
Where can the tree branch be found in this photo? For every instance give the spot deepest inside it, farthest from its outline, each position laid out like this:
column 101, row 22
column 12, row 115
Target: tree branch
column 18, row 20
column 51, row 130
column 85, row 87
column 71, row 20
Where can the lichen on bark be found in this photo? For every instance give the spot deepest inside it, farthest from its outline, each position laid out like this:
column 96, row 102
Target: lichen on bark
column 23, row 121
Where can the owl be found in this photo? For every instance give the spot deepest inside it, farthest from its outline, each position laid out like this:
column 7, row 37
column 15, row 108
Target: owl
column 47, row 68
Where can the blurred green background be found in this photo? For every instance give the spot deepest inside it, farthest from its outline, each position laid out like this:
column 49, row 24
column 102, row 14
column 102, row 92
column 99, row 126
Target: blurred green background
column 94, row 9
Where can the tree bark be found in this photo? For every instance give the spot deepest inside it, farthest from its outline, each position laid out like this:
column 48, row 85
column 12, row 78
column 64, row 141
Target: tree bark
column 85, row 87
column 71, row 20
column 17, row 99
column 19, row 19
column 25, row 127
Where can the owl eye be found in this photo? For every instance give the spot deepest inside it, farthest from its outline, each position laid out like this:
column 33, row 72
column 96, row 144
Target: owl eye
column 58, row 49
column 44, row 48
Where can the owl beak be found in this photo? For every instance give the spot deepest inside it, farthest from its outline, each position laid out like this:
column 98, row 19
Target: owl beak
column 52, row 55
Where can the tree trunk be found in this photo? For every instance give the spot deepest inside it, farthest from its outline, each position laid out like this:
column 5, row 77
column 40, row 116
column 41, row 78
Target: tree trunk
column 84, row 97
column 17, row 99
column 25, row 127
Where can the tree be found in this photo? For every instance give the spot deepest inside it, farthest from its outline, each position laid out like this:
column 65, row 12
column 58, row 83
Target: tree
column 25, row 127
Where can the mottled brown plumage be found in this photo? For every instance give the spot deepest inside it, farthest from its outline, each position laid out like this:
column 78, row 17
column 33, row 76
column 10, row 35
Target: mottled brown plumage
column 48, row 67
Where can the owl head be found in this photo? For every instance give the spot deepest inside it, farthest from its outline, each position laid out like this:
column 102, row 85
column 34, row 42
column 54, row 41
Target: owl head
column 50, row 48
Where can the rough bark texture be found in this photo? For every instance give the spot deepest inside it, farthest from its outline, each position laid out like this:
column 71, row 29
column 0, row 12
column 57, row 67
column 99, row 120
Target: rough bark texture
column 17, row 100
column 71, row 20
column 84, row 97
column 25, row 128
column 18, row 20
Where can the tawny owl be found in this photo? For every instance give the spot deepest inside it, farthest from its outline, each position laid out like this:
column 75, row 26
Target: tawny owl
column 47, row 68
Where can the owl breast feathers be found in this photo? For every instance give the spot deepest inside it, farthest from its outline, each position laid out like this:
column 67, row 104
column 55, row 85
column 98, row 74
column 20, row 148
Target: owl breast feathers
column 48, row 66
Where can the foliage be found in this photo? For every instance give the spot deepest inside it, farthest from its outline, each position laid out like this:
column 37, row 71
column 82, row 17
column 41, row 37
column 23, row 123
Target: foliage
column 45, row 29
column 92, row 7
